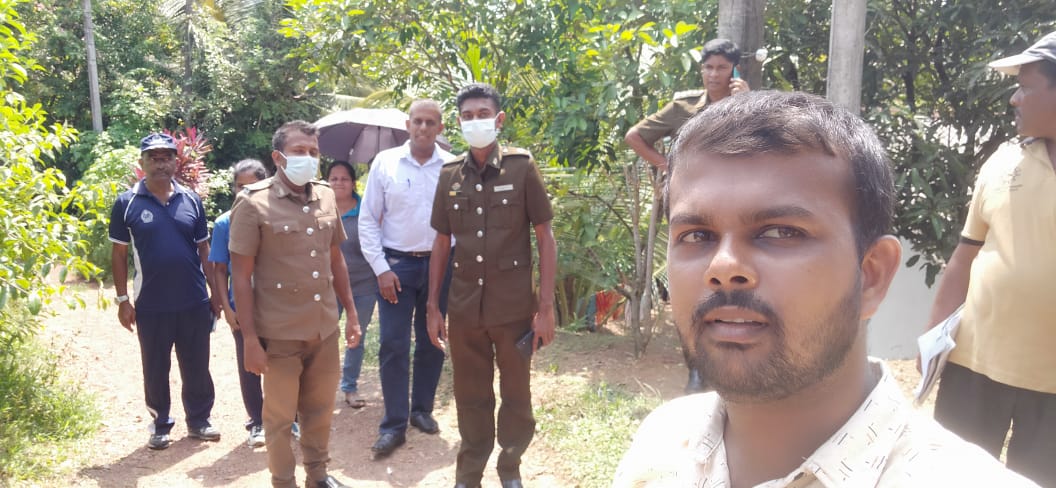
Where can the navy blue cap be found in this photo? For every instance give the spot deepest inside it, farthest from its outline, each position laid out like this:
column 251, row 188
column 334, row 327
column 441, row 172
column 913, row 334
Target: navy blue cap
column 157, row 141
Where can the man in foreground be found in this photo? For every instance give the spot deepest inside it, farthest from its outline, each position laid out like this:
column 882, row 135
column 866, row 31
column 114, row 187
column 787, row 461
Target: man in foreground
column 490, row 199
column 780, row 208
column 165, row 225
column 288, row 274
column 1001, row 374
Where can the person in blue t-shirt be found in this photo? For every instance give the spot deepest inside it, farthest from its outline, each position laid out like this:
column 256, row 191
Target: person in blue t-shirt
column 245, row 172
column 164, row 224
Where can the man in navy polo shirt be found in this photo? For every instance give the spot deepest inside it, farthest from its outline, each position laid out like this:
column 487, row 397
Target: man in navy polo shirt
column 165, row 225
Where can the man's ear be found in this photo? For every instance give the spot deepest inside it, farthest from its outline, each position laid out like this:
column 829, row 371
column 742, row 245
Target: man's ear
column 499, row 119
column 879, row 265
column 276, row 156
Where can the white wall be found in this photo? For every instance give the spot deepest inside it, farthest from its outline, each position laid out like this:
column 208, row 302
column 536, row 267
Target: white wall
column 901, row 318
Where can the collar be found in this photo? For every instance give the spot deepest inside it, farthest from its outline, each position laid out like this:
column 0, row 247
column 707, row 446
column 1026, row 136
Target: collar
column 704, row 101
column 405, row 153
column 855, row 455
column 493, row 159
column 141, row 188
column 354, row 211
column 280, row 190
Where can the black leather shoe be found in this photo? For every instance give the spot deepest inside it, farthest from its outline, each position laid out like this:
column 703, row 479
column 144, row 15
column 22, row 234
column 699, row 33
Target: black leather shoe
column 386, row 444
column 466, row 485
column 514, row 483
column 424, row 422
column 329, row 482
column 159, row 442
column 695, row 383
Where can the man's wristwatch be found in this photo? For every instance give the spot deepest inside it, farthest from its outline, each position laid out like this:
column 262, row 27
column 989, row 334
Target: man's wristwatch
column 121, row 299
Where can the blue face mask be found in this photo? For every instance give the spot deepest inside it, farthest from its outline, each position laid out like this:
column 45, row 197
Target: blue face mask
column 300, row 169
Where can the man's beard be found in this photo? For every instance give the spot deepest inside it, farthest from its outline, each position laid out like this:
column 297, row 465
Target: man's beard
column 784, row 371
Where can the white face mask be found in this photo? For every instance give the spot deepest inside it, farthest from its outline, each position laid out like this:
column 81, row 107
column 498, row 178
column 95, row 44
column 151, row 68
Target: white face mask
column 300, row 169
column 479, row 133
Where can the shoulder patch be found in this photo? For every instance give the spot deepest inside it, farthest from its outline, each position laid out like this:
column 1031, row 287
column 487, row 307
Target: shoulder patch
column 515, row 151
column 688, row 94
column 260, row 185
column 456, row 160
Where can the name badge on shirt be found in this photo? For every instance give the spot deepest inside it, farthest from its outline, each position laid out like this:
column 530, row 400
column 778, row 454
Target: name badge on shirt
column 504, row 188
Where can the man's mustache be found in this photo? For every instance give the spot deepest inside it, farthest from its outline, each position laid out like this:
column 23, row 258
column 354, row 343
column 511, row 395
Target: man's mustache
column 738, row 298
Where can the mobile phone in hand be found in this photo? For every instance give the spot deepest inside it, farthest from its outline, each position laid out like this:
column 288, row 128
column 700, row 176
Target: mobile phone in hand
column 524, row 343
column 736, row 74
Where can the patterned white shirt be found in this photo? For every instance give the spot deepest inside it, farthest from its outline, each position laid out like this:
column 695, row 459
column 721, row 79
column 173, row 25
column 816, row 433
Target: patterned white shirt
column 884, row 444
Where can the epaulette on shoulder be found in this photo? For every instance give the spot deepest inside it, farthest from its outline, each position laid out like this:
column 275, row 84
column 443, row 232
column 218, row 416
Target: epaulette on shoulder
column 688, row 94
column 257, row 186
column 321, row 182
column 515, row 151
column 457, row 159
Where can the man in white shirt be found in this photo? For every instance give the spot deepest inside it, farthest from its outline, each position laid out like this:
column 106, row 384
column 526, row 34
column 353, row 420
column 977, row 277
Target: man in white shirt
column 780, row 207
column 396, row 239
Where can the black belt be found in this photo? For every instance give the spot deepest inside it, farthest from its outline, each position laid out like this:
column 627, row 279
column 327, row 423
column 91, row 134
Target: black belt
column 405, row 254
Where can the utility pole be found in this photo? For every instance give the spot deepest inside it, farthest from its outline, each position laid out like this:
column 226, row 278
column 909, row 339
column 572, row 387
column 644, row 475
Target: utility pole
column 741, row 21
column 93, row 71
column 846, row 53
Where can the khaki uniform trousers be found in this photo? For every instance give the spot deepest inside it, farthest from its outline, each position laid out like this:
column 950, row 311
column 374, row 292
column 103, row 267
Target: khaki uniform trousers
column 302, row 379
column 474, row 353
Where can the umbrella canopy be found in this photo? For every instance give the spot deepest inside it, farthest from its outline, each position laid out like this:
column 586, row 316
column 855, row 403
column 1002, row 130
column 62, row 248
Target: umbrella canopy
column 357, row 135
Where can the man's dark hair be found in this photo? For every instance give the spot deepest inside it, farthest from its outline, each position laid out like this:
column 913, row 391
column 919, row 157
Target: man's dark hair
column 722, row 47
column 789, row 123
column 343, row 164
column 249, row 166
column 478, row 90
column 278, row 141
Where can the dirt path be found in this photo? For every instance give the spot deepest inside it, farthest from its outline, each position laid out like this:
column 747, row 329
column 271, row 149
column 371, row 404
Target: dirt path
column 104, row 358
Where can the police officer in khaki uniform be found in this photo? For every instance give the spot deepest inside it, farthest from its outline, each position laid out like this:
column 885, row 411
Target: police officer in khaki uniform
column 490, row 199
column 717, row 69
column 288, row 273
column 719, row 62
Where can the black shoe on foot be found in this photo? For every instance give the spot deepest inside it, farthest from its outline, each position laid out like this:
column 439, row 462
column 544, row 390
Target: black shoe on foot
column 328, row 482
column 159, row 442
column 466, row 485
column 424, row 422
column 514, row 483
column 204, row 433
column 387, row 443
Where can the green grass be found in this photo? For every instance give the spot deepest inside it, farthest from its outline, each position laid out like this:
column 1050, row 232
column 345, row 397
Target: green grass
column 591, row 428
column 41, row 416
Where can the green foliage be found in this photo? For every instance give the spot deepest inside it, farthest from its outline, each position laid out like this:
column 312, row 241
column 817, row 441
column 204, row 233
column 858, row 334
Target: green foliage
column 39, row 413
column 112, row 171
column 592, row 428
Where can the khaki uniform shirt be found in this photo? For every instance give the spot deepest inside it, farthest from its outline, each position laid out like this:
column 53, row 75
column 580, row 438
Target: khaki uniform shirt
column 885, row 443
column 1008, row 329
column 668, row 120
column 490, row 212
column 293, row 287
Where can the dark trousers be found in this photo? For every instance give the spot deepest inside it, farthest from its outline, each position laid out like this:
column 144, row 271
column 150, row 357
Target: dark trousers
column 249, row 383
column 397, row 320
column 188, row 331
column 474, row 353
column 981, row 410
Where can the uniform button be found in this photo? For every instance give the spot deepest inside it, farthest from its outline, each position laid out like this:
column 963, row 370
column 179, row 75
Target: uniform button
column 285, row 228
column 317, row 297
column 455, row 264
column 315, row 274
column 305, row 209
column 515, row 262
column 278, row 285
column 480, row 259
column 480, row 211
column 480, row 281
column 456, row 206
column 480, row 233
column 310, row 231
column 479, row 187
column 313, row 253
column 504, row 201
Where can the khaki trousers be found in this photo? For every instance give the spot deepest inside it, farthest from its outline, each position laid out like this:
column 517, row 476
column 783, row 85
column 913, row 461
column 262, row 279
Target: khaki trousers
column 474, row 353
column 302, row 379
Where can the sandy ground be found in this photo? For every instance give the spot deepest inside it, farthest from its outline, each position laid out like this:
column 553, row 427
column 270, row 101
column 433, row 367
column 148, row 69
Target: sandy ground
column 104, row 359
